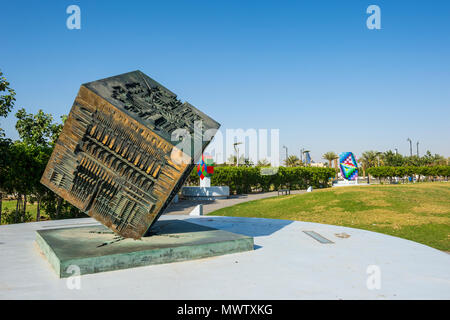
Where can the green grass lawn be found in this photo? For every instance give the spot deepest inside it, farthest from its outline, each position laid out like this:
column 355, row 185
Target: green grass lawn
column 418, row 212
column 10, row 205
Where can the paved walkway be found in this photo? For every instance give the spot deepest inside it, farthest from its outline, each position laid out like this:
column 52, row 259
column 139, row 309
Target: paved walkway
column 287, row 263
column 186, row 206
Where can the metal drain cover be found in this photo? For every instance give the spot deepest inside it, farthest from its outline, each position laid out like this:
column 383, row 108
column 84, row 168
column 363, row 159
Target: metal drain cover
column 318, row 237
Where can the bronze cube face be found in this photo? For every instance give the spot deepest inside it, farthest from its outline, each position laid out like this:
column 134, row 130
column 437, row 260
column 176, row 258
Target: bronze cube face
column 118, row 157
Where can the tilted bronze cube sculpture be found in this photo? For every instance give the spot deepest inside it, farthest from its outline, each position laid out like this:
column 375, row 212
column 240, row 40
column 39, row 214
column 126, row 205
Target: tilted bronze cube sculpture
column 117, row 159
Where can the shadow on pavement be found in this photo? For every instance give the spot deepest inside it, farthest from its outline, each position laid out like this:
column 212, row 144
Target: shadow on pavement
column 253, row 227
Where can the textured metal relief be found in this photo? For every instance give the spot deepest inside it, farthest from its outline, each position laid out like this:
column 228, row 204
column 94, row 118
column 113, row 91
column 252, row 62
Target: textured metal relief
column 115, row 159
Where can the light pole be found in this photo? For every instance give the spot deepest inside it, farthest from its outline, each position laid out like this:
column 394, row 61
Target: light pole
column 237, row 152
column 410, row 146
column 286, row 155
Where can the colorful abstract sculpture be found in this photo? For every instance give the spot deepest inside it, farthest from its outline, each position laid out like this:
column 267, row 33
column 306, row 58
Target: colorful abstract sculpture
column 348, row 166
column 206, row 167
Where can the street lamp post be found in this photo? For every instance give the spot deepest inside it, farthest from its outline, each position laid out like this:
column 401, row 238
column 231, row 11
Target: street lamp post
column 237, row 152
column 410, row 146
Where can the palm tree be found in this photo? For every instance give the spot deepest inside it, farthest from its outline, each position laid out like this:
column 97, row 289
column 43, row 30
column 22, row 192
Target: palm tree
column 243, row 161
column 292, row 161
column 263, row 163
column 330, row 156
column 231, row 160
column 380, row 158
column 439, row 160
column 369, row 159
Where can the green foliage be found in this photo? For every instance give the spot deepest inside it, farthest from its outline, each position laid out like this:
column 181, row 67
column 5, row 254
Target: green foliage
column 37, row 129
column 5, row 160
column 249, row 179
column 243, row 161
column 26, row 162
column 292, row 161
column 50, row 204
column 369, row 159
column 330, row 156
column 263, row 163
column 7, row 98
column 23, row 162
column 9, row 217
column 389, row 158
column 392, row 159
column 405, row 171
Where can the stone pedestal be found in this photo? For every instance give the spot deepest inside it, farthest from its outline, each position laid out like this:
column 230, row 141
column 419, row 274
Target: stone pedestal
column 344, row 183
column 97, row 249
column 205, row 193
column 205, row 182
column 197, row 211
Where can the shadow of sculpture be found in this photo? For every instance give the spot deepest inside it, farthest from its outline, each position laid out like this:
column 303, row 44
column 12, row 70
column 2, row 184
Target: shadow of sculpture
column 253, row 227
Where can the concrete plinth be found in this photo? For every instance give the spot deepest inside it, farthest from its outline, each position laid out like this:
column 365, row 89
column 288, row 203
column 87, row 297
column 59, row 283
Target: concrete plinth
column 206, row 193
column 96, row 248
column 345, row 183
column 205, row 182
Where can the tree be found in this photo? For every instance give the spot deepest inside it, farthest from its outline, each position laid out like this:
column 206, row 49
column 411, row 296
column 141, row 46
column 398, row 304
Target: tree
column 380, row 158
column 368, row 160
column 4, row 168
column 7, row 99
column 292, row 161
column 246, row 162
column 37, row 129
column 27, row 163
column 243, row 161
column 414, row 160
column 433, row 160
column 39, row 134
column 263, row 163
column 393, row 159
column 330, row 156
column 231, row 160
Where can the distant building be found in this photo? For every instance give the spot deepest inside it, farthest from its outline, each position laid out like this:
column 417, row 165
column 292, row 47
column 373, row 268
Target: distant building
column 318, row 164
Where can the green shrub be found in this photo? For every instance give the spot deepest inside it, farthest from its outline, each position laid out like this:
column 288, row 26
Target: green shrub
column 13, row 217
column 427, row 171
column 249, row 179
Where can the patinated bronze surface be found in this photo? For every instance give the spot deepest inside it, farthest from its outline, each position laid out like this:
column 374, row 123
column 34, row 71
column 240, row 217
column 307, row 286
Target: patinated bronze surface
column 115, row 159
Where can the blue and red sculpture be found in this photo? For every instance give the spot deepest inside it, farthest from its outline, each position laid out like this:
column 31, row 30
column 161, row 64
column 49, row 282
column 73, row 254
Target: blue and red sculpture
column 348, row 166
column 206, row 167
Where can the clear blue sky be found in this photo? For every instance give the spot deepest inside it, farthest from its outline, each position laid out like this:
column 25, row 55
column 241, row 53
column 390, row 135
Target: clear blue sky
column 310, row 68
